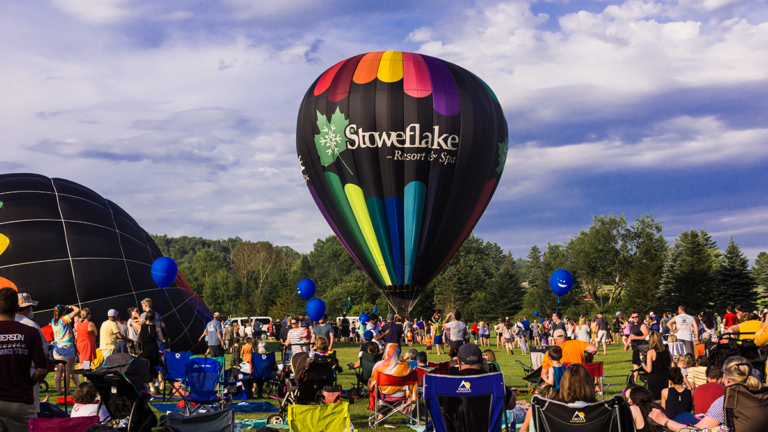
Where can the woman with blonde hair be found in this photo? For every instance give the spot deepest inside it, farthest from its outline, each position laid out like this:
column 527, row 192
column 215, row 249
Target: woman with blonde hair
column 736, row 370
column 582, row 330
column 85, row 337
column 657, row 364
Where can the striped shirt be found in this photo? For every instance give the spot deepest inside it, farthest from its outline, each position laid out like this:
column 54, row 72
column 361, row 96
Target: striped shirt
column 298, row 343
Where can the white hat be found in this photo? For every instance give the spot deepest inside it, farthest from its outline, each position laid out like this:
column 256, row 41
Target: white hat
column 112, row 313
column 652, row 313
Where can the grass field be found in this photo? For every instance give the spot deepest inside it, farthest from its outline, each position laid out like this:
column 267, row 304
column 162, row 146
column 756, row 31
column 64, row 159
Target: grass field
column 616, row 367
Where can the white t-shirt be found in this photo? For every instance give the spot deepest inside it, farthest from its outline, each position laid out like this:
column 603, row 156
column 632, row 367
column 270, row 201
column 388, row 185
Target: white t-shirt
column 684, row 325
column 458, row 329
column 89, row 410
column 374, row 328
column 248, row 332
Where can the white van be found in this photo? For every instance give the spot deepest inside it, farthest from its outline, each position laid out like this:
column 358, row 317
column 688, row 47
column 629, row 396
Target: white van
column 241, row 321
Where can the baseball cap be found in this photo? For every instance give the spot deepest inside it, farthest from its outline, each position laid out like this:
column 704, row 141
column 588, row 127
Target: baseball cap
column 112, row 313
column 652, row 314
column 469, row 354
column 390, row 316
column 558, row 334
column 26, row 300
column 368, row 334
column 706, row 336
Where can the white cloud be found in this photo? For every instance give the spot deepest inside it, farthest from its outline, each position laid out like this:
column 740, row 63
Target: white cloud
column 675, row 143
column 97, row 11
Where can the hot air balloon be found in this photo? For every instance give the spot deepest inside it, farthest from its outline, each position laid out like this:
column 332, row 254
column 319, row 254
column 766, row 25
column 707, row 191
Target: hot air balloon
column 402, row 153
column 65, row 244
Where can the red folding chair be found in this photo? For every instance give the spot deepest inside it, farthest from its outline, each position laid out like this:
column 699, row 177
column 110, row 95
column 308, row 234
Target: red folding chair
column 74, row 424
column 595, row 371
column 440, row 368
column 421, row 371
column 395, row 404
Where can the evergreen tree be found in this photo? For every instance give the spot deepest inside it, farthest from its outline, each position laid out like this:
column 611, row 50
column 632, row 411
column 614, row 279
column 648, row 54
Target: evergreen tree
column 733, row 281
column 533, row 268
column 505, row 294
column 667, row 296
column 760, row 274
column 645, row 275
column 688, row 276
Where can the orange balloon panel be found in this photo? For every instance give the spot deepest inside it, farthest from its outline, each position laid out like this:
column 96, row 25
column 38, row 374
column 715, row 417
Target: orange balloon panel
column 5, row 283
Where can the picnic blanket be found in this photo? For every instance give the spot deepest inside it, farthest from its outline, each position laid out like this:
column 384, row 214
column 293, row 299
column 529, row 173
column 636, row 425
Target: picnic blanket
column 249, row 407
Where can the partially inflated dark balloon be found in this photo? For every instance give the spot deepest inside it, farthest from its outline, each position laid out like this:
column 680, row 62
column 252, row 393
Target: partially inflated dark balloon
column 402, row 153
column 65, row 244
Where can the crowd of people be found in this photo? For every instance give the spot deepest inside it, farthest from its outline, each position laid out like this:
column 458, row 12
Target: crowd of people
column 68, row 342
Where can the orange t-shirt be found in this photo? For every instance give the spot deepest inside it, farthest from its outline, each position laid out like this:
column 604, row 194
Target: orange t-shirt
column 699, row 350
column 429, row 341
column 573, row 352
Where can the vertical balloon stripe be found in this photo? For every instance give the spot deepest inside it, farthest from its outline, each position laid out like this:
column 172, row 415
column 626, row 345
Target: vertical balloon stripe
column 5, row 283
column 395, row 218
column 343, row 80
column 334, row 183
column 334, row 229
column 488, row 89
column 368, row 68
column 4, row 242
column 416, row 80
column 415, row 192
column 485, row 197
column 391, row 66
column 325, row 81
column 379, row 220
column 445, row 95
column 360, row 209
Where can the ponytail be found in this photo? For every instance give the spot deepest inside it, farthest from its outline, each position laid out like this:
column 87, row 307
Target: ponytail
column 84, row 313
column 739, row 371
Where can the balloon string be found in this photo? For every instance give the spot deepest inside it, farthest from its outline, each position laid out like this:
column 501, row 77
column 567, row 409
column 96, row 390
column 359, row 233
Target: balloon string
column 558, row 305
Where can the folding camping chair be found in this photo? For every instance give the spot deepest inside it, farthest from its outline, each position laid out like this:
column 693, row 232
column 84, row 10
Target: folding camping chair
column 218, row 421
column 440, row 368
column 535, row 357
column 74, row 424
column 263, row 367
column 465, row 403
column 612, row 415
column 203, row 381
column 363, row 373
column 595, row 371
column 327, row 418
column 395, row 404
column 174, row 373
column 745, row 410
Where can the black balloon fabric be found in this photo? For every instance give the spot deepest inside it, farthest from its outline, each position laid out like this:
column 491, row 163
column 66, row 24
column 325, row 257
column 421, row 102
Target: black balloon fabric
column 64, row 244
column 402, row 153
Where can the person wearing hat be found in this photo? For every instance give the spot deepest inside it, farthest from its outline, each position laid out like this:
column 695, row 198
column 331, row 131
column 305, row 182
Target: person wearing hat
column 392, row 331
column 573, row 350
column 24, row 316
column 109, row 334
column 471, row 364
column 215, row 331
column 23, row 347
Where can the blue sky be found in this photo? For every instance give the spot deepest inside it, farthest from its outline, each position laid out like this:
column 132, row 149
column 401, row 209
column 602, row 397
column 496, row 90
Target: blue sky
column 184, row 112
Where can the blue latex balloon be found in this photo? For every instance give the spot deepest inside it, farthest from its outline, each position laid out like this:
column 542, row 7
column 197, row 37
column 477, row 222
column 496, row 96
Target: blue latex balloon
column 307, row 289
column 535, row 314
column 315, row 309
column 364, row 318
column 561, row 282
column 375, row 310
column 542, row 320
column 164, row 271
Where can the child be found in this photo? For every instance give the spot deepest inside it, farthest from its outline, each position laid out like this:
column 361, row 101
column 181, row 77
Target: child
column 522, row 341
column 235, row 361
column 429, row 343
column 698, row 375
column 421, row 360
column 409, row 336
column 555, row 373
column 247, row 350
column 85, row 406
column 509, row 338
column 682, row 363
column 543, row 390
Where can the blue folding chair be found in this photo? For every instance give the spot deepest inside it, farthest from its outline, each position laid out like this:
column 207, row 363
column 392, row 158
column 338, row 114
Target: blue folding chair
column 204, row 385
column 174, row 372
column 263, row 368
column 461, row 403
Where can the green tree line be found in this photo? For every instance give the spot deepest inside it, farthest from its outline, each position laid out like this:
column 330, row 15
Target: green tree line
column 617, row 265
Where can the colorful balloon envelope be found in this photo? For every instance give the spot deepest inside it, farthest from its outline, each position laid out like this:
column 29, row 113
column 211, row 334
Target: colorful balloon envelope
column 402, row 153
column 65, row 244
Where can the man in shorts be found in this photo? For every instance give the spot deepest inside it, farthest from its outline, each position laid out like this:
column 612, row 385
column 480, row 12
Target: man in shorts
column 602, row 331
column 685, row 329
column 214, row 331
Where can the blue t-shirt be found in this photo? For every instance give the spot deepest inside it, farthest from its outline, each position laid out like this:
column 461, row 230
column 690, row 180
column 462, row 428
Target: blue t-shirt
column 213, row 328
column 559, row 371
column 527, row 325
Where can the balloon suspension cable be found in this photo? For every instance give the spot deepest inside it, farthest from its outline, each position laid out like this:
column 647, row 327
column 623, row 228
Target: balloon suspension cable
column 558, row 305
